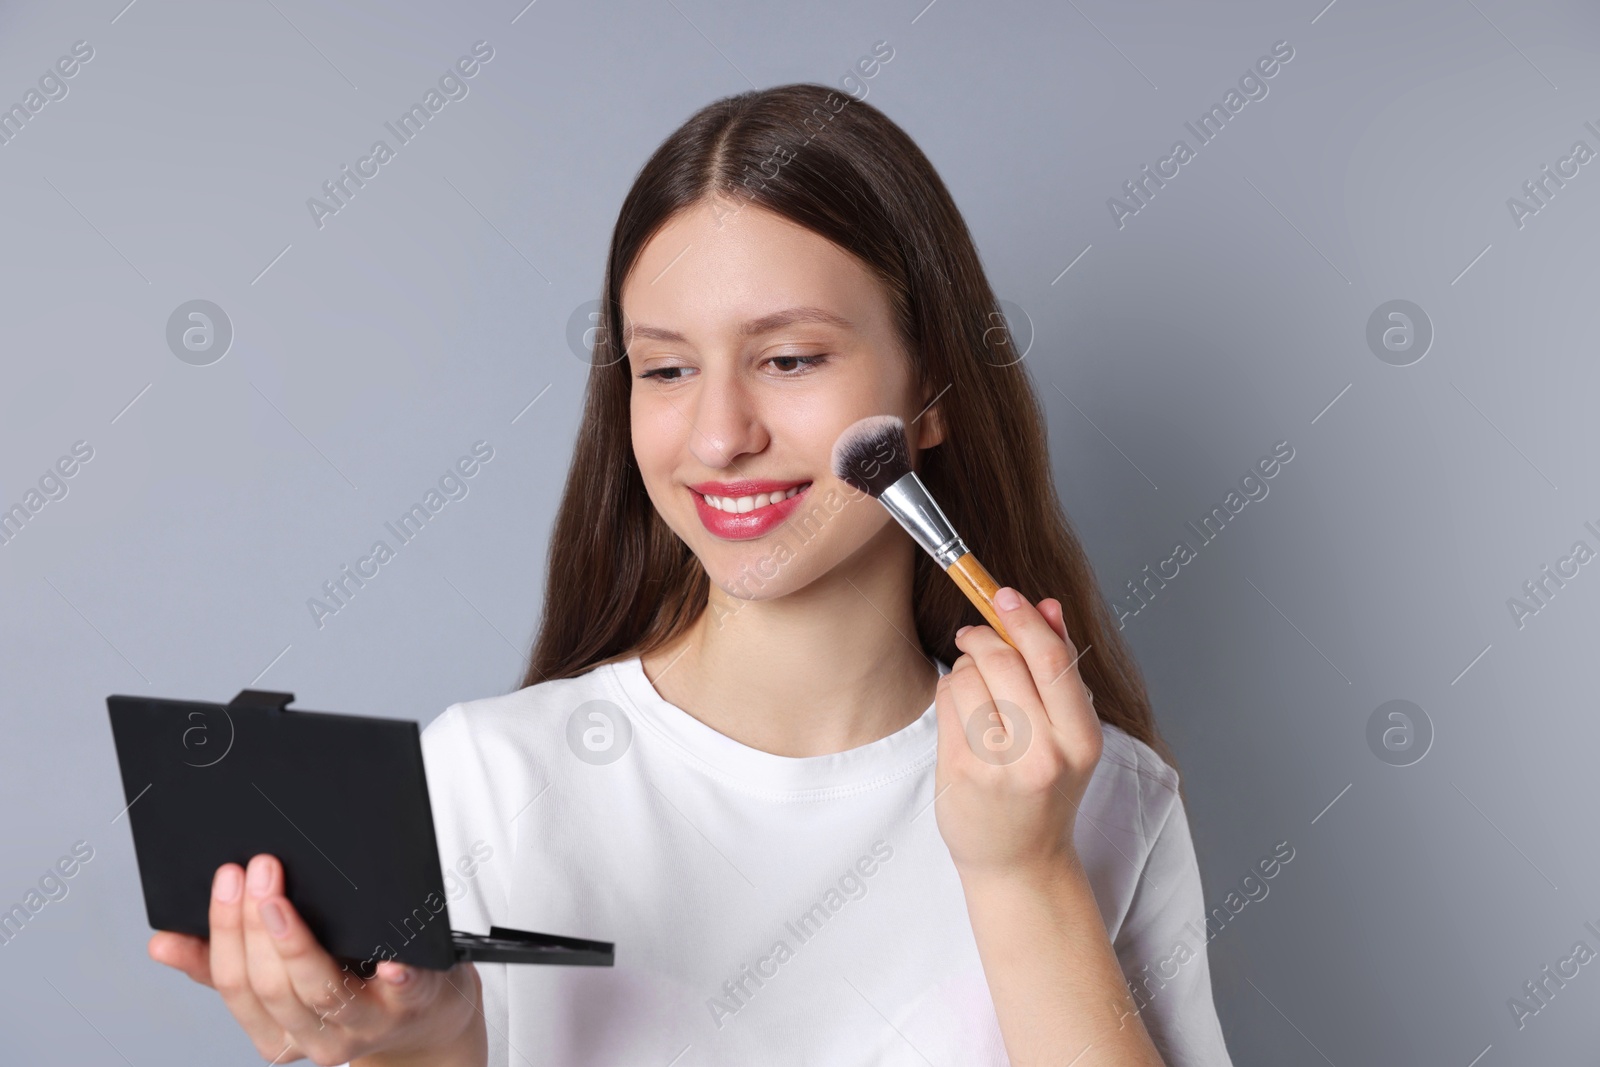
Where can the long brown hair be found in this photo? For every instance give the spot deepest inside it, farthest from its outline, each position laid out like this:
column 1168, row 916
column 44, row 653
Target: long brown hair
column 620, row 583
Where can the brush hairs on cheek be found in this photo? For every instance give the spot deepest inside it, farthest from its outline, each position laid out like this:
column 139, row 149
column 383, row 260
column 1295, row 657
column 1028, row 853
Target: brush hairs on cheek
column 865, row 448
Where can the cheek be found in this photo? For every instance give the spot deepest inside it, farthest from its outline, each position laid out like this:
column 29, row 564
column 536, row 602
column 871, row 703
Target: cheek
column 836, row 534
column 658, row 435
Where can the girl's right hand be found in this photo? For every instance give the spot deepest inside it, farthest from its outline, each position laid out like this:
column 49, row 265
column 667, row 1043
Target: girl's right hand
column 296, row 1001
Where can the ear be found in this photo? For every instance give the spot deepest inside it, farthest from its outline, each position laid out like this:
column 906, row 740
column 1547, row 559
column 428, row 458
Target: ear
column 930, row 426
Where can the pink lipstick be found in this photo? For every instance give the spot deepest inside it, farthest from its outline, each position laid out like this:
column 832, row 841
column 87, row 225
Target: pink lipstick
column 762, row 516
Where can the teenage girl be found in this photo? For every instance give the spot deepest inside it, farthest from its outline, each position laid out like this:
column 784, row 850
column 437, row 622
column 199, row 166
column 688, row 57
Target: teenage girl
column 763, row 744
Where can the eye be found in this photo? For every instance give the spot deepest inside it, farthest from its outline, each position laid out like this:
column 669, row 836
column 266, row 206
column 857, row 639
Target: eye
column 809, row 361
column 662, row 372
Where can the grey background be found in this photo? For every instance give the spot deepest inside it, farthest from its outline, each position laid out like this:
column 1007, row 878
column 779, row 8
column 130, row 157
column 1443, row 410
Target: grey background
column 1228, row 315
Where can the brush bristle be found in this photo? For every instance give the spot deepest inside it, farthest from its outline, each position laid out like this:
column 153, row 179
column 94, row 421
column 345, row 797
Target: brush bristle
column 872, row 454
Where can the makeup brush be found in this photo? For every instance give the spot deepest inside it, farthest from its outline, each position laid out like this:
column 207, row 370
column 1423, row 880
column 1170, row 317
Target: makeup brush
column 872, row 455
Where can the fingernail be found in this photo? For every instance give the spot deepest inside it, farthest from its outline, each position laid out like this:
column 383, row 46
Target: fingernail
column 963, row 630
column 227, row 884
column 273, row 918
column 1008, row 599
column 258, row 877
column 399, row 975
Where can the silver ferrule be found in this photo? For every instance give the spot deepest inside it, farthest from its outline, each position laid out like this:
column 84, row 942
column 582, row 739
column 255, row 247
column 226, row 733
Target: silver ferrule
column 909, row 501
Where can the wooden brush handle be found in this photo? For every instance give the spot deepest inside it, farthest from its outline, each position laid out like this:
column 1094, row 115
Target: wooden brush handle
column 980, row 588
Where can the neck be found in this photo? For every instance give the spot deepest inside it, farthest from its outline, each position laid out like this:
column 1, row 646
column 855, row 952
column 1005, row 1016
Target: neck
column 830, row 667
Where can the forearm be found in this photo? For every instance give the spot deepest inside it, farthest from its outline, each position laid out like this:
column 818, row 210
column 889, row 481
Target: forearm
column 1057, row 987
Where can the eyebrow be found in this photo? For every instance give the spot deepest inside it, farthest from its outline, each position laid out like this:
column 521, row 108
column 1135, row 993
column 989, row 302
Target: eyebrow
column 754, row 328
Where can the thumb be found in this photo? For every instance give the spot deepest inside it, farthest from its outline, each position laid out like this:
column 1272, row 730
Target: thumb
column 400, row 984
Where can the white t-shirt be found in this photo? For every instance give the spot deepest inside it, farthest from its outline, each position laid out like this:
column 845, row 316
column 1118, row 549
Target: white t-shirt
column 768, row 909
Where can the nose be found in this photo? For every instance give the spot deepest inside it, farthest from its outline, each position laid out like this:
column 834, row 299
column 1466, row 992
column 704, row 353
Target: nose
column 727, row 421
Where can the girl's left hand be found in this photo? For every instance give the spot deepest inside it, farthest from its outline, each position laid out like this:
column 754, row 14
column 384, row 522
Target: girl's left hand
column 1018, row 742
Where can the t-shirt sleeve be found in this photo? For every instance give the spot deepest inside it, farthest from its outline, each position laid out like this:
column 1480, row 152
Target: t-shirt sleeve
column 1162, row 945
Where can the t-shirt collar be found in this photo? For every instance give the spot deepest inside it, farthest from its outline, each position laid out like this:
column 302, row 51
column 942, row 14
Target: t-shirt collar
column 906, row 751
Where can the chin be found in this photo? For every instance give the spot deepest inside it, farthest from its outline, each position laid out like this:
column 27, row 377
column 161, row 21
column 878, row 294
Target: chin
column 761, row 569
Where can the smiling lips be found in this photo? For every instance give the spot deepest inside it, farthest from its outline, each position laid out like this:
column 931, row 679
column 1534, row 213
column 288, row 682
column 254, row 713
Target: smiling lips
column 740, row 511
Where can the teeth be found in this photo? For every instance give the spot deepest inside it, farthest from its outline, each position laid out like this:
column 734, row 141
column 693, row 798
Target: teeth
column 743, row 504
